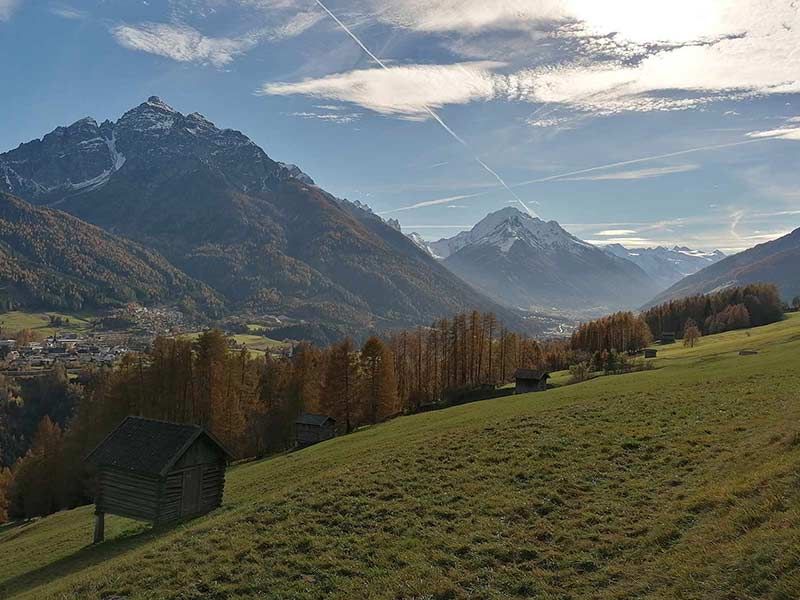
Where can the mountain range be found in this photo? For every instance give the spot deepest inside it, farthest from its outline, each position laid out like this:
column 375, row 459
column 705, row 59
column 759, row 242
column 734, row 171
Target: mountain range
column 667, row 266
column 257, row 232
column 526, row 262
column 775, row 262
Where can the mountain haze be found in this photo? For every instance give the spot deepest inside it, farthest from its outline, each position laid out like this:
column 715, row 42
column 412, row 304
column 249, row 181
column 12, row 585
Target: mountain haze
column 525, row 262
column 666, row 266
column 257, row 231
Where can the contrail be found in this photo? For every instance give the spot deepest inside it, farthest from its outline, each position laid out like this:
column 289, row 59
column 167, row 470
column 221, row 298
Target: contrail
column 637, row 160
column 428, row 109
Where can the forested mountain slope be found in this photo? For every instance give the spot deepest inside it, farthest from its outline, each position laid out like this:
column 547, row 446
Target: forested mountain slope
column 51, row 259
column 775, row 262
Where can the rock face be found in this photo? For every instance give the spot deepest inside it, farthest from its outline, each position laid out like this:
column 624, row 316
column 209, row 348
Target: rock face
column 775, row 262
column 529, row 263
column 259, row 232
column 667, row 266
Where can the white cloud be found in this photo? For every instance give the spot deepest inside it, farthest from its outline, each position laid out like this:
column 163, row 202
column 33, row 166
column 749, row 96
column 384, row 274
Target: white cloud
column 7, row 8
column 333, row 117
column 407, row 91
column 783, row 133
column 181, row 43
column 616, row 232
column 67, row 12
column 687, row 54
column 635, row 174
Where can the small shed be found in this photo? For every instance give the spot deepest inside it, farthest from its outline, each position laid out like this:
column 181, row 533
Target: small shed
column 650, row 352
column 668, row 337
column 311, row 429
column 157, row 471
column 530, row 380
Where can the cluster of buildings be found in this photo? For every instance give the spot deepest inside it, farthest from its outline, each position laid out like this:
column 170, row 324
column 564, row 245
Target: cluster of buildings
column 69, row 349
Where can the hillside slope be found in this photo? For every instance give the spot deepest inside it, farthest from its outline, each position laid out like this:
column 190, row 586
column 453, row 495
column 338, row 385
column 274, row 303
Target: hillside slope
column 608, row 489
column 257, row 231
column 49, row 258
column 775, row 262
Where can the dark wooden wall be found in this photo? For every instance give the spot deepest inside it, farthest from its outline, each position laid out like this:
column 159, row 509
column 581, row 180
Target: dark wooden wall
column 128, row 494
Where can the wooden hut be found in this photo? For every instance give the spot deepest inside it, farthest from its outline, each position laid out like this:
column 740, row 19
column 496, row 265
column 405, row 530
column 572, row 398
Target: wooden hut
column 668, row 337
column 311, row 429
column 650, row 352
column 157, row 471
column 530, row 380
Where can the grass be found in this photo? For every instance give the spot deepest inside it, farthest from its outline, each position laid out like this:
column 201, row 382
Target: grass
column 680, row 482
column 14, row 321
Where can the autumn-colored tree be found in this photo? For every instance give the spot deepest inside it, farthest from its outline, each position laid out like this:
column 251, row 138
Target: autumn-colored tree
column 36, row 483
column 691, row 334
column 379, row 385
column 339, row 398
column 5, row 484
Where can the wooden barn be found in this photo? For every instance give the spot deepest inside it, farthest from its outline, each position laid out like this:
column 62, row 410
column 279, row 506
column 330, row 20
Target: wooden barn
column 530, row 380
column 311, row 429
column 668, row 337
column 650, row 352
column 157, row 471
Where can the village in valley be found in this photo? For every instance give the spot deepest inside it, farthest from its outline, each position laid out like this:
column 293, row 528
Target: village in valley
column 34, row 343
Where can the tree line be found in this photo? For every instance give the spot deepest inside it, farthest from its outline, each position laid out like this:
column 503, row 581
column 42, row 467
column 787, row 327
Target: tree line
column 249, row 402
column 733, row 308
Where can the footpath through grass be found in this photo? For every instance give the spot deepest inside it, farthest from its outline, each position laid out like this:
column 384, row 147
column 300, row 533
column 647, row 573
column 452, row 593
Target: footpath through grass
column 681, row 482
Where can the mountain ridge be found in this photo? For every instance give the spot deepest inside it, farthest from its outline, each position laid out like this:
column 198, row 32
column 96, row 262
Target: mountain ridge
column 777, row 261
column 255, row 230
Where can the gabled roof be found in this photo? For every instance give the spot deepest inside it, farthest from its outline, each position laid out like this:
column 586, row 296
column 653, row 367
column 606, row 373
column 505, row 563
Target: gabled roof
column 318, row 420
column 148, row 446
column 531, row 374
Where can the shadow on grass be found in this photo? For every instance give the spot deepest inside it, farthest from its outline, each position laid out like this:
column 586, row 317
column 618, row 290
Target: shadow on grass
column 87, row 557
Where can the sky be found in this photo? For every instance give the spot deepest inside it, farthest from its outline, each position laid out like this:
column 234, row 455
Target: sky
column 641, row 123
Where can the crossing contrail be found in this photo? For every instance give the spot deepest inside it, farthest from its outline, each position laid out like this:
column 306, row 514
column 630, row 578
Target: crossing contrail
column 429, row 110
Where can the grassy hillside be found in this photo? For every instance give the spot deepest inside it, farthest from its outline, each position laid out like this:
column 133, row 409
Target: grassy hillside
column 14, row 321
column 681, row 482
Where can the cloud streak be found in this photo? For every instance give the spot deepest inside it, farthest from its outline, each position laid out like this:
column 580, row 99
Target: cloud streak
column 636, row 174
column 181, row 43
column 7, row 8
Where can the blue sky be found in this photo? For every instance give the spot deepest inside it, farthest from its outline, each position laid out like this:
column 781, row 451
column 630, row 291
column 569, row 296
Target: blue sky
column 639, row 122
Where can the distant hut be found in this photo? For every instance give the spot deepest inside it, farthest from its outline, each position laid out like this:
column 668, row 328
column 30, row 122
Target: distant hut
column 311, row 429
column 157, row 471
column 650, row 352
column 668, row 337
column 530, row 380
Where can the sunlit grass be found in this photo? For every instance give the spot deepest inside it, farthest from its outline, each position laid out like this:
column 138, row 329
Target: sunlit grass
column 680, row 482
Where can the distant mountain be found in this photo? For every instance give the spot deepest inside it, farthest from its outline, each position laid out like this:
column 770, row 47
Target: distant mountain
column 257, row 231
column 775, row 262
column 51, row 259
column 525, row 262
column 667, row 265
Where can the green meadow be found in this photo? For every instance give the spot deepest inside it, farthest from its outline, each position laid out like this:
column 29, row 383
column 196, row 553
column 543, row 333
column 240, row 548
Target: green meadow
column 678, row 482
column 11, row 322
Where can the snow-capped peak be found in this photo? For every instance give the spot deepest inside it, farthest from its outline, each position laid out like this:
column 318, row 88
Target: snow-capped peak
column 158, row 103
column 504, row 228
